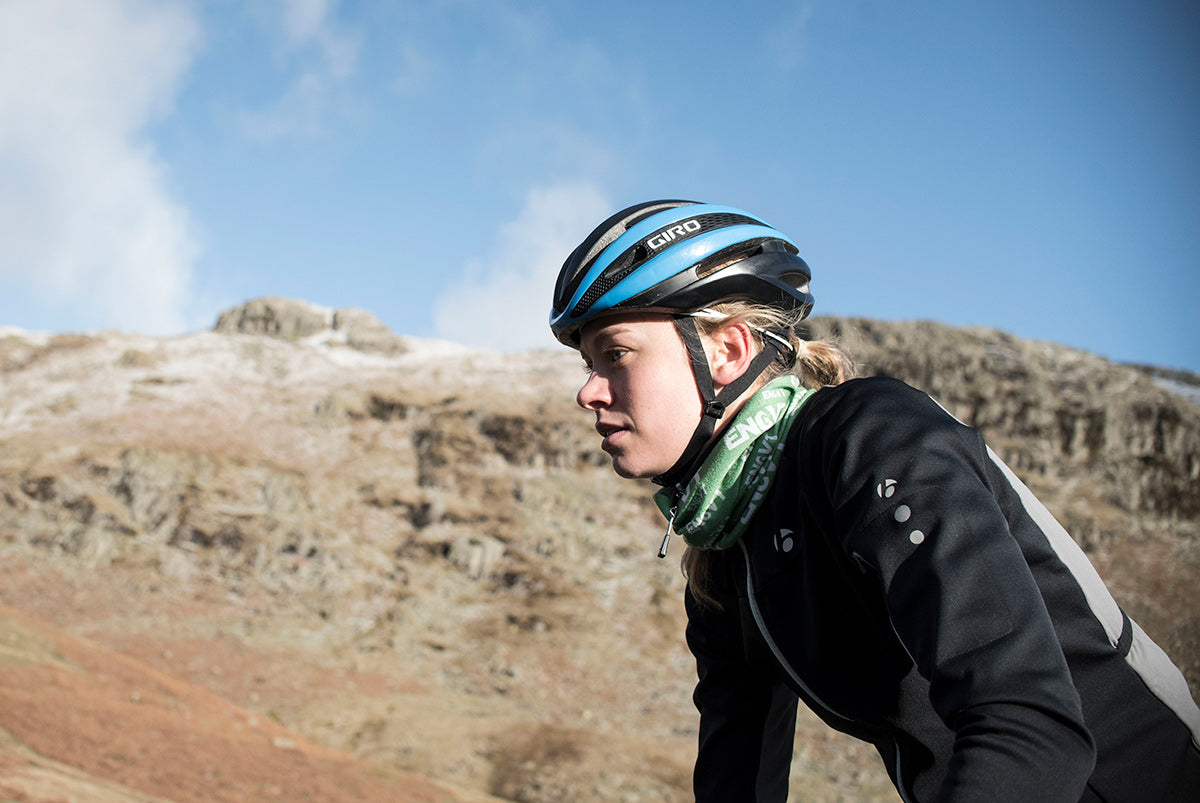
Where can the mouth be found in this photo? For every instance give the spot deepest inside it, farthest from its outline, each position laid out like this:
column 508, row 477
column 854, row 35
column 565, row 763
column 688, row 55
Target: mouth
column 610, row 433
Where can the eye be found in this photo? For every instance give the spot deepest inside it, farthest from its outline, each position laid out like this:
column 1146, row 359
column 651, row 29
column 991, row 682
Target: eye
column 603, row 358
column 615, row 354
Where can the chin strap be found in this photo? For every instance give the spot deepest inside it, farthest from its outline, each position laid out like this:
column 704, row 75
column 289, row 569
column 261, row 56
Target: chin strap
column 775, row 346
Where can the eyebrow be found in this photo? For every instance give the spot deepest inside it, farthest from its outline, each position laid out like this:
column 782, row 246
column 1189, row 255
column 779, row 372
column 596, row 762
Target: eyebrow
column 602, row 338
column 613, row 330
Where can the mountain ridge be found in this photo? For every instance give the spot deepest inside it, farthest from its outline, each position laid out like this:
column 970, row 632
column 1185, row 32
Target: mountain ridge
column 414, row 554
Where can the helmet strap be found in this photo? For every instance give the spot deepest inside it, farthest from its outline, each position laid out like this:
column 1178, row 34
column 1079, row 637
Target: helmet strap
column 714, row 403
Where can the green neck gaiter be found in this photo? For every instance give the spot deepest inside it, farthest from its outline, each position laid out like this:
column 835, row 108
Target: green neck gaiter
column 726, row 491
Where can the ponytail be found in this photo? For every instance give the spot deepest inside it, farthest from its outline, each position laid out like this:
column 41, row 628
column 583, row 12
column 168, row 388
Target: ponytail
column 820, row 363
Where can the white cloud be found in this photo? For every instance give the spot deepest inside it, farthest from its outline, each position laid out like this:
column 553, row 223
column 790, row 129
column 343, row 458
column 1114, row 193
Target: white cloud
column 415, row 70
column 87, row 222
column 503, row 302
column 324, row 56
column 787, row 39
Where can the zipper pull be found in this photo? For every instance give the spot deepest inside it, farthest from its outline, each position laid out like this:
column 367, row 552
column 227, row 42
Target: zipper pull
column 662, row 550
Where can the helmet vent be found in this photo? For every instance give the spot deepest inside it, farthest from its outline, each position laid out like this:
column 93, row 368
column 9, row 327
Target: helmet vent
column 625, row 265
column 719, row 220
column 728, row 256
column 692, row 227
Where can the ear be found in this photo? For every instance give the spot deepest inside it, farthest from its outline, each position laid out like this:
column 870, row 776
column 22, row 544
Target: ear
column 732, row 351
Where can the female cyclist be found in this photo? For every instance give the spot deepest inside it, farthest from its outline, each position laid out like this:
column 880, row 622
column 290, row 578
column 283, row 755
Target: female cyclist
column 852, row 545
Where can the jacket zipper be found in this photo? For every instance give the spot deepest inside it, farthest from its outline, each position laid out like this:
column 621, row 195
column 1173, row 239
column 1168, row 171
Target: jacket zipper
column 662, row 550
column 810, row 697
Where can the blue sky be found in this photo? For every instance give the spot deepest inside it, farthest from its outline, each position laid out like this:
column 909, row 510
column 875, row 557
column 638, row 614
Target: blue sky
column 1028, row 166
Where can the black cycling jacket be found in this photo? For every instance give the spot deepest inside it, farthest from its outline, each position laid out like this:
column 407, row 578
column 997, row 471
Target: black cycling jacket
column 904, row 584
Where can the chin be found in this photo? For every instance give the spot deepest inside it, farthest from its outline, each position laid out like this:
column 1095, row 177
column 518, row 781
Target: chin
column 626, row 471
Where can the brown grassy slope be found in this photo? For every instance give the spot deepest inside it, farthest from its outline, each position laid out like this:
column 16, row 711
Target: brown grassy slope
column 81, row 722
column 419, row 558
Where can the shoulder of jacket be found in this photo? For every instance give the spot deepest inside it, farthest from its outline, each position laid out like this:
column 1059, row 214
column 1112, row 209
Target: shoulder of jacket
column 861, row 396
column 871, row 412
column 868, row 387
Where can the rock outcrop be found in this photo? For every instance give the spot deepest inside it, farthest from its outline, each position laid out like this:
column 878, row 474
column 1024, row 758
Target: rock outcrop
column 426, row 562
column 291, row 319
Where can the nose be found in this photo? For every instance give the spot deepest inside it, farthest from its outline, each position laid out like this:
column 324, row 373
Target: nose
column 594, row 394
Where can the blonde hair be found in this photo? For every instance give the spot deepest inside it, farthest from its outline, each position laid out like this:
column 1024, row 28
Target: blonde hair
column 818, row 363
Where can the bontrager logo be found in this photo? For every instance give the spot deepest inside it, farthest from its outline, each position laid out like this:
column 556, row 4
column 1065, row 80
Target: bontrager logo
column 673, row 233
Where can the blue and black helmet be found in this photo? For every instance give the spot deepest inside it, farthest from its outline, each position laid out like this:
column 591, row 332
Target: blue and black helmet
column 679, row 257
column 676, row 256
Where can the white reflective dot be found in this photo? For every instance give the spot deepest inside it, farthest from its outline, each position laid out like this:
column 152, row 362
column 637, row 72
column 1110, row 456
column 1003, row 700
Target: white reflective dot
column 903, row 513
column 916, row 536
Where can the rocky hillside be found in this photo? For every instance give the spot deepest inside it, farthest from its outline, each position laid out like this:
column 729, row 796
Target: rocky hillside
column 413, row 557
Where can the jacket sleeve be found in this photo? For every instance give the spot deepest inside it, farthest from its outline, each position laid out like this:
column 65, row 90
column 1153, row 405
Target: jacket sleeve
column 747, row 718
column 912, row 503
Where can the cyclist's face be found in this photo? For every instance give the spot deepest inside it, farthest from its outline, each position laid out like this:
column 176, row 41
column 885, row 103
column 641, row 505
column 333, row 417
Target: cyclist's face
column 641, row 387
